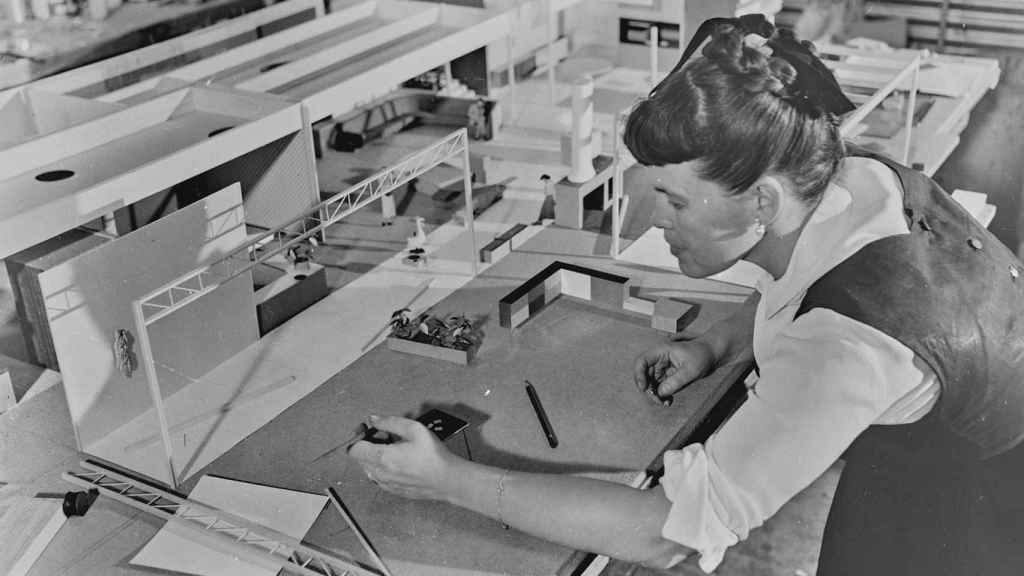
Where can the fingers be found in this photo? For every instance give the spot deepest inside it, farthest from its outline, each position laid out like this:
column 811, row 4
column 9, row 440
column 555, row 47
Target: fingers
column 649, row 368
column 640, row 376
column 367, row 452
column 674, row 383
column 401, row 427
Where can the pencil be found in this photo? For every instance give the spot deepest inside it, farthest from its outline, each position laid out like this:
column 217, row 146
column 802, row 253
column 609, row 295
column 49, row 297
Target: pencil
column 542, row 416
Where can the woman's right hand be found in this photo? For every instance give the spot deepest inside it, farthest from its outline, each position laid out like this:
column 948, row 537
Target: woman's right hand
column 668, row 368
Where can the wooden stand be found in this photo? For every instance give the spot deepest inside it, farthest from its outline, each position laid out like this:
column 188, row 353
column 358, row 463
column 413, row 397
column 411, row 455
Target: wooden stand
column 569, row 195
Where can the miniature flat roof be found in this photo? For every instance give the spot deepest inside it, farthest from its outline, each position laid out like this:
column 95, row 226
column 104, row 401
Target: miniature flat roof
column 57, row 182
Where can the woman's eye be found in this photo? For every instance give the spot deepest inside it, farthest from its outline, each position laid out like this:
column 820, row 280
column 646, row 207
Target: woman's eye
column 676, row 204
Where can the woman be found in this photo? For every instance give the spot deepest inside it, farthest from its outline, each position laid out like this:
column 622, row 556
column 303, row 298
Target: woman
column 886, row 326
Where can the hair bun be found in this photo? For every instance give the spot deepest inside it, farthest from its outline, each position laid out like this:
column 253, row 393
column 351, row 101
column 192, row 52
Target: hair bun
column 760, row 73
column 725, row 47
column 784, row 73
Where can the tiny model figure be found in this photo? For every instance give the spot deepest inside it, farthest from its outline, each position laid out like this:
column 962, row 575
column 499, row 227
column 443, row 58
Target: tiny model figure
column 301, row 254
column 547, row 209
column 477, row 123
column 124, row 357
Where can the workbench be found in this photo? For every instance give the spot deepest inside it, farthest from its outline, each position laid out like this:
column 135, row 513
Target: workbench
column 580, row 359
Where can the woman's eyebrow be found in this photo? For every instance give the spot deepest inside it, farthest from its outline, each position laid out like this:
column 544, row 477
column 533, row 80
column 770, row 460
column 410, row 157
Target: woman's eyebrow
column 669, row 191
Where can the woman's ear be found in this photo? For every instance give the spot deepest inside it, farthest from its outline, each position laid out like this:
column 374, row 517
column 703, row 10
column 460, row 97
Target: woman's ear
column 769, row 196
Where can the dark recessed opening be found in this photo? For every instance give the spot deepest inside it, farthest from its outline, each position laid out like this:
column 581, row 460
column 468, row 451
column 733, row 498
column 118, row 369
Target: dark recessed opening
column 300, row 276
column 54, row 175
column 271, row 66
column 219, row 130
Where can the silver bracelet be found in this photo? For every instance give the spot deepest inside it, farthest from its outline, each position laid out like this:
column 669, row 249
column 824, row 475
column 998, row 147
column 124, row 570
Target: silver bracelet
column 500, row 491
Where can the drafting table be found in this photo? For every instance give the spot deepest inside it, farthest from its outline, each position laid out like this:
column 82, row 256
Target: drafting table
column 579, row 358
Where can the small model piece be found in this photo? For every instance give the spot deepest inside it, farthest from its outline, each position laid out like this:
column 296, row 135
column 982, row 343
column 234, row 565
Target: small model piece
column 454, row 338
column 596, row 287
column 558, row 278
column 501, row 245
column 418, row 239
column 672, row 316
column 301, row 254
column 582, row 169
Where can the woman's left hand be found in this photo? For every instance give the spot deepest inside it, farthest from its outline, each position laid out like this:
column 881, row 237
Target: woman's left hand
column 416, row 465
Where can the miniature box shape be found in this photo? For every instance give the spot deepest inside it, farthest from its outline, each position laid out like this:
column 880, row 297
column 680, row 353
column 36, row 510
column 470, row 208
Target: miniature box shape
column 288, row 294
column 187, row 142
column 426, row 350
column 599, row 287
column 453, row 338
column 671, row 315
column 501, row 245
column 569, row 196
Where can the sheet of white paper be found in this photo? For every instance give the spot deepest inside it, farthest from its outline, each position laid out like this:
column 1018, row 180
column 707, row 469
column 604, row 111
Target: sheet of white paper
column 651, row 249
column 287, row 511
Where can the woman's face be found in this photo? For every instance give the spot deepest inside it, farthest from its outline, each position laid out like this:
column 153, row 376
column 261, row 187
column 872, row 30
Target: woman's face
column 707, row 229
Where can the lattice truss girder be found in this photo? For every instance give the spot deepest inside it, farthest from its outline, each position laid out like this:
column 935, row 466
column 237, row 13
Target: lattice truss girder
column 221, row 529
column 193, row 285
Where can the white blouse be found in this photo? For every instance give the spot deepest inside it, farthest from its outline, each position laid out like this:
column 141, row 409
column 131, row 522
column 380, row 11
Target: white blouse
column 824, row 378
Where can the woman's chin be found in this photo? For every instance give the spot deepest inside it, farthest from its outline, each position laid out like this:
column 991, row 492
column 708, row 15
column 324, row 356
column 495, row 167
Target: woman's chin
column 695, row 270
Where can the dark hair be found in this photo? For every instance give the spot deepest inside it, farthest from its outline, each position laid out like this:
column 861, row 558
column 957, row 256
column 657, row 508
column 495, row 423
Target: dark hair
column 733, row 110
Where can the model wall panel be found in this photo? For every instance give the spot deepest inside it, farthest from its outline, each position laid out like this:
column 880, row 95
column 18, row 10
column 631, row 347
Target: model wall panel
column 89, row 299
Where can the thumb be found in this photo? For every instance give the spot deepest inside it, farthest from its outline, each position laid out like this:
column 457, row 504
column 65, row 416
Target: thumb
column 676, row 381
column 401, row 427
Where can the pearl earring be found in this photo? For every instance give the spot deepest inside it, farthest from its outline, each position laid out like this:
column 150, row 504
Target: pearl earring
column 759, row 227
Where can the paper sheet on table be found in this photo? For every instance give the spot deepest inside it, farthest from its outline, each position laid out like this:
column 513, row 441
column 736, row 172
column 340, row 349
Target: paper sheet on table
column 286, row 511
column 651, row 249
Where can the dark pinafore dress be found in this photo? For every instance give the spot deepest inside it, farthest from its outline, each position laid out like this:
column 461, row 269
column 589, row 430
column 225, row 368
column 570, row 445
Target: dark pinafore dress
column 944, row 495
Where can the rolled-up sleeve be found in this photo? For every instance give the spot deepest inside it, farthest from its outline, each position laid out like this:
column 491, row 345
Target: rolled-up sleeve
column 827, row 380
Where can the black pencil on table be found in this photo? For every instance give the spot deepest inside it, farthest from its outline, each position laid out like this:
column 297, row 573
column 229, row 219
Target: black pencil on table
column 538, row 408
